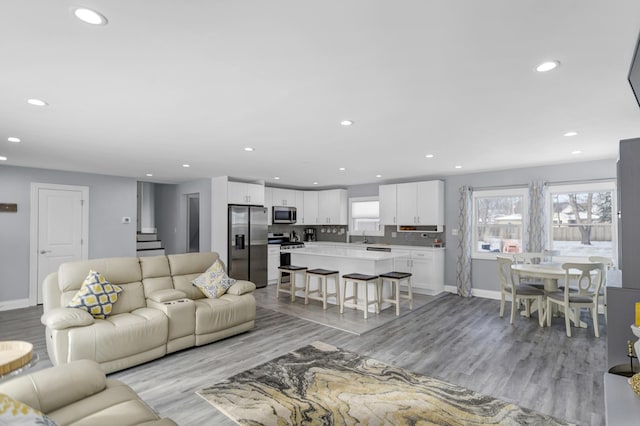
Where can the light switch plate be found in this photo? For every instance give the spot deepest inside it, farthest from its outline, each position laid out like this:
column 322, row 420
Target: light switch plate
column 454, row 231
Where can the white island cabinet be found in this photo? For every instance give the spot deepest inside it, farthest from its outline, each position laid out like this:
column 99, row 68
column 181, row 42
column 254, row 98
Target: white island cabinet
column 427, row 269
column 346, row 261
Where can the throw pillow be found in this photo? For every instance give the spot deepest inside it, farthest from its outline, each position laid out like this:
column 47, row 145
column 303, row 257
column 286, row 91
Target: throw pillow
column 96, row 296
column 14, row 412
column 214, row 282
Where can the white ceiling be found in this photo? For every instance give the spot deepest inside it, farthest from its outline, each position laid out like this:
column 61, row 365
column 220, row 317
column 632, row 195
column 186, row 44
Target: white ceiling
column 173, row 82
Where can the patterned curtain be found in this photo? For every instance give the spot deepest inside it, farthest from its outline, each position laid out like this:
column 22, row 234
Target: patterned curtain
column 463, row 266
column 536, row 236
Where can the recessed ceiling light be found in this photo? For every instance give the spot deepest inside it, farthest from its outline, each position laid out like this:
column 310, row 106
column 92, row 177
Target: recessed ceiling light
column 346, row 122
column 576, row 152
column 458, row 167
column 13, row 139
column 149, row 174
column 90, row 16
column 315, row 183
column 547, row 66
column 276, row 177
column 3, row 158
column 186, row 165
column 36, row 102
column 342, row 169
column 429, row 156
column 571, row 133
column 378, row 176
column 248, row 149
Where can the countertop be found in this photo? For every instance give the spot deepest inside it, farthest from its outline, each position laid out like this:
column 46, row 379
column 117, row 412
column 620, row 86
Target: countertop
column 361, row 245
column 347, row 253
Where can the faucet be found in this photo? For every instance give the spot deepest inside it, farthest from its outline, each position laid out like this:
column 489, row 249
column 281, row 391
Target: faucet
column 364, row 240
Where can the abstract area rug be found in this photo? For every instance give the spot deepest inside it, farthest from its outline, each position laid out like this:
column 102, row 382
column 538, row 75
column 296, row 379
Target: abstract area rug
column 320, row 384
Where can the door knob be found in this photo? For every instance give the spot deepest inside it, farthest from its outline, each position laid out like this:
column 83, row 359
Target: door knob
column 45, row 251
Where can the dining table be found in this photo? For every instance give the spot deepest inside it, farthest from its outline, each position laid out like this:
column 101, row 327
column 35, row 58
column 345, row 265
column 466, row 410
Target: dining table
column 550, row 273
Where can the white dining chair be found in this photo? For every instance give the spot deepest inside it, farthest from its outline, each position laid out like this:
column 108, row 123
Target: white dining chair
column 530, row 258
column 586, row 294
column 517, row 292
column 608, row 265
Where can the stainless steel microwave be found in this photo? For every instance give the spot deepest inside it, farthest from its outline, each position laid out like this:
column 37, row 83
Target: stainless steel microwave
column 283, row 214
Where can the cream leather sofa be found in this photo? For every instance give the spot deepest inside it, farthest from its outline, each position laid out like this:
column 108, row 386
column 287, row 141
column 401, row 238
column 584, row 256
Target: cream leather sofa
column 158, row 312
column 79, row 394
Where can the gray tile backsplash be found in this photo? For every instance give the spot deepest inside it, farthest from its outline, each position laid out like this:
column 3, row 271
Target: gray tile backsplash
column 339, row 234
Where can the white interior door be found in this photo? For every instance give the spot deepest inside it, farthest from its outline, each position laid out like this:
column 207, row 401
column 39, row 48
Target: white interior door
column 60, row 229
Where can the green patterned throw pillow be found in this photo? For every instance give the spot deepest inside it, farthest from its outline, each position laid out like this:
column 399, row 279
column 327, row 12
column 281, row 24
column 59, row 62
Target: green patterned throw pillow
column 16, row 413
column 214, row 282
column 96, row 296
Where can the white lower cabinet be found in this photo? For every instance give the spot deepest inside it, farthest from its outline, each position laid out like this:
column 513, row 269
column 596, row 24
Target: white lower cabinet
column 273, row 262
column 427, row 269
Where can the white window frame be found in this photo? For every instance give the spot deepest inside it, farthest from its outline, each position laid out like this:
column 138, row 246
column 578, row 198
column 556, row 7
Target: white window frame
column 584, row 187
column 378, row 233
column 519, row 192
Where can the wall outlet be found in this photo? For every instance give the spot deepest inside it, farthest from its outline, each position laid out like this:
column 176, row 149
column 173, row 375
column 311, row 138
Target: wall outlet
column 126, row 219
column 454, row 231
column 394, row 234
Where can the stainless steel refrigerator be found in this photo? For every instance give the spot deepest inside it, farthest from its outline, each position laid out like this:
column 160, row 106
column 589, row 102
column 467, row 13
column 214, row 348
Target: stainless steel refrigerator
column 248, row 244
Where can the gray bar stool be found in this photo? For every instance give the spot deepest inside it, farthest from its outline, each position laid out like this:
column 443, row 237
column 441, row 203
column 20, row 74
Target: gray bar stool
column 357, row 279
column 323, row 275
column 291, row 288
column 395, row 278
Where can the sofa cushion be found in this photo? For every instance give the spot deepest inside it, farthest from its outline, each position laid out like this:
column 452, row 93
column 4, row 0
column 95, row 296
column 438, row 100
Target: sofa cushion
column 124, row 272
column 218, row 314
column 61, row 318
column 116, row 404
column 241, row 287
column 120, row 270
column 214, row 282
column 53, row 388
column 120, row 336
column 17, row 413
column 96, row 296
column 187, row 267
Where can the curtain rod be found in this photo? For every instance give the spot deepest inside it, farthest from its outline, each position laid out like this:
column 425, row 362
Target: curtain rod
column 488, row 188
column 524, row 185
column 570, row 182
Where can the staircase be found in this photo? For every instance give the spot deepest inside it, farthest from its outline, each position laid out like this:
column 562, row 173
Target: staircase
column 147, row 244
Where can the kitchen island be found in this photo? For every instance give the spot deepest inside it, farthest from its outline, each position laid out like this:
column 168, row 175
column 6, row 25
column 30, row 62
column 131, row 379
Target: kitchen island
column 347, row 260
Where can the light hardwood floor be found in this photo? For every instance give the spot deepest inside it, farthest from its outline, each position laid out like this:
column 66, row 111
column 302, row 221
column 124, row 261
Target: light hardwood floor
column 462, row 341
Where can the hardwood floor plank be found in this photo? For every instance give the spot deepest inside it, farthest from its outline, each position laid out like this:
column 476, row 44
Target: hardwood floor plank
column 462, row 341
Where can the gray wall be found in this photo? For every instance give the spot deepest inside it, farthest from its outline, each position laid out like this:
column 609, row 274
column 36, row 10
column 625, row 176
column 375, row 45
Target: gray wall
column 171, row 214
column 484, row 272
column 110, row 199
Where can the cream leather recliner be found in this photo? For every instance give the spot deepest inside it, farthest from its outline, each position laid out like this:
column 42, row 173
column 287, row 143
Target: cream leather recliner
column 79, row 394
column 158, row 312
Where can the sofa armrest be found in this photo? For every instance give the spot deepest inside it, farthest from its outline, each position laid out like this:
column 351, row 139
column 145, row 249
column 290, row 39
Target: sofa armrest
column 166, row 295
column 61, row 318
column 241, row 287
column 52, row 388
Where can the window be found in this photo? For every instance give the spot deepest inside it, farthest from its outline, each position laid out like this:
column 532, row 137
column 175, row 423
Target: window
column 364, row 216
column 581, row 219
column 499, row 218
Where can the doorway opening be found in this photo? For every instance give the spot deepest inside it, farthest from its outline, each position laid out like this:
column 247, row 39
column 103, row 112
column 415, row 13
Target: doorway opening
column 193, row 223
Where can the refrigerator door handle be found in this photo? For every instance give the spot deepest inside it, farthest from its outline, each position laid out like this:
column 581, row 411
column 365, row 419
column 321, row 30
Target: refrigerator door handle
column 239, row 242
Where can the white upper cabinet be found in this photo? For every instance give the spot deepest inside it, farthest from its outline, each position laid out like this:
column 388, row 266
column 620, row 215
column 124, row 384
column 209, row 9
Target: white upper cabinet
column 245, row 193
column 299, row 206
column 387, row 198
column 268, row 203
column 420, row 203
column 332, row 207
column 284, row 197
column 310, row 207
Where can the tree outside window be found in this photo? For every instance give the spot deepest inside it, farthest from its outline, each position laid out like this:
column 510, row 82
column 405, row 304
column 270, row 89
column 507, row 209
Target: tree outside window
column 582, row 220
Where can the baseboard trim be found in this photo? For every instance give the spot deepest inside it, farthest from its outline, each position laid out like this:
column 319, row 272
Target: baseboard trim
column 14, row 304
column 477, row 292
